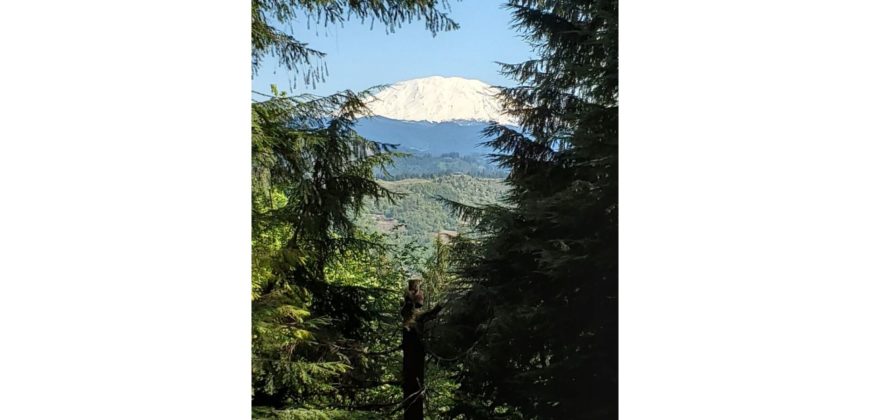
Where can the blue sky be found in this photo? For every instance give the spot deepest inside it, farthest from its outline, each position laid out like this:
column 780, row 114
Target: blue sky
column 359, row 56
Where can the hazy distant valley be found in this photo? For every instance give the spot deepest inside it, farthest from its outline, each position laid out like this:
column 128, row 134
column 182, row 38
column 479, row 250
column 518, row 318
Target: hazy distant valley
column 436, row 138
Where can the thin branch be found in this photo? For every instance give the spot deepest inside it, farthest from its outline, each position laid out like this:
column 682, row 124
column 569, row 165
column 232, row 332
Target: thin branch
column 415, row 395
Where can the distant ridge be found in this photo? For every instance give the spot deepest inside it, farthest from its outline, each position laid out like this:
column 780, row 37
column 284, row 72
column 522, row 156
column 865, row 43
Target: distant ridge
column 463, row 137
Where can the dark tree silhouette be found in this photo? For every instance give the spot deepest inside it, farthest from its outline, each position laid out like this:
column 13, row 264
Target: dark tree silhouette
column 534, row 315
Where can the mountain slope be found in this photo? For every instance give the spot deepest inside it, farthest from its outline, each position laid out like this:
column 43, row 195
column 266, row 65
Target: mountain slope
column 425, row 137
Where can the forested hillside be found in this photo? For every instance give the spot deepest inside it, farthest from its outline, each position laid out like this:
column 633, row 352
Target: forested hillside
column 424, row 165
column 417, row 212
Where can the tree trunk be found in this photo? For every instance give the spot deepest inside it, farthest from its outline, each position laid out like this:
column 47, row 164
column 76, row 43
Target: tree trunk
column 413, row 352
column 413, row 357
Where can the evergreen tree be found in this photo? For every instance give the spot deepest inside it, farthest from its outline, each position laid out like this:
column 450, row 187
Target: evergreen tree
column 310, row 173
column 323, row 293
column 534, row 312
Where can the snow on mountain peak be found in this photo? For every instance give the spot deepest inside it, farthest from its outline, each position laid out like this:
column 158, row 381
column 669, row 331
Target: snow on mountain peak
column 438, row 99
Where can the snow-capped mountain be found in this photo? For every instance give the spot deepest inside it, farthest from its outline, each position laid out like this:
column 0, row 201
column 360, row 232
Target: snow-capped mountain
column 439, row 99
